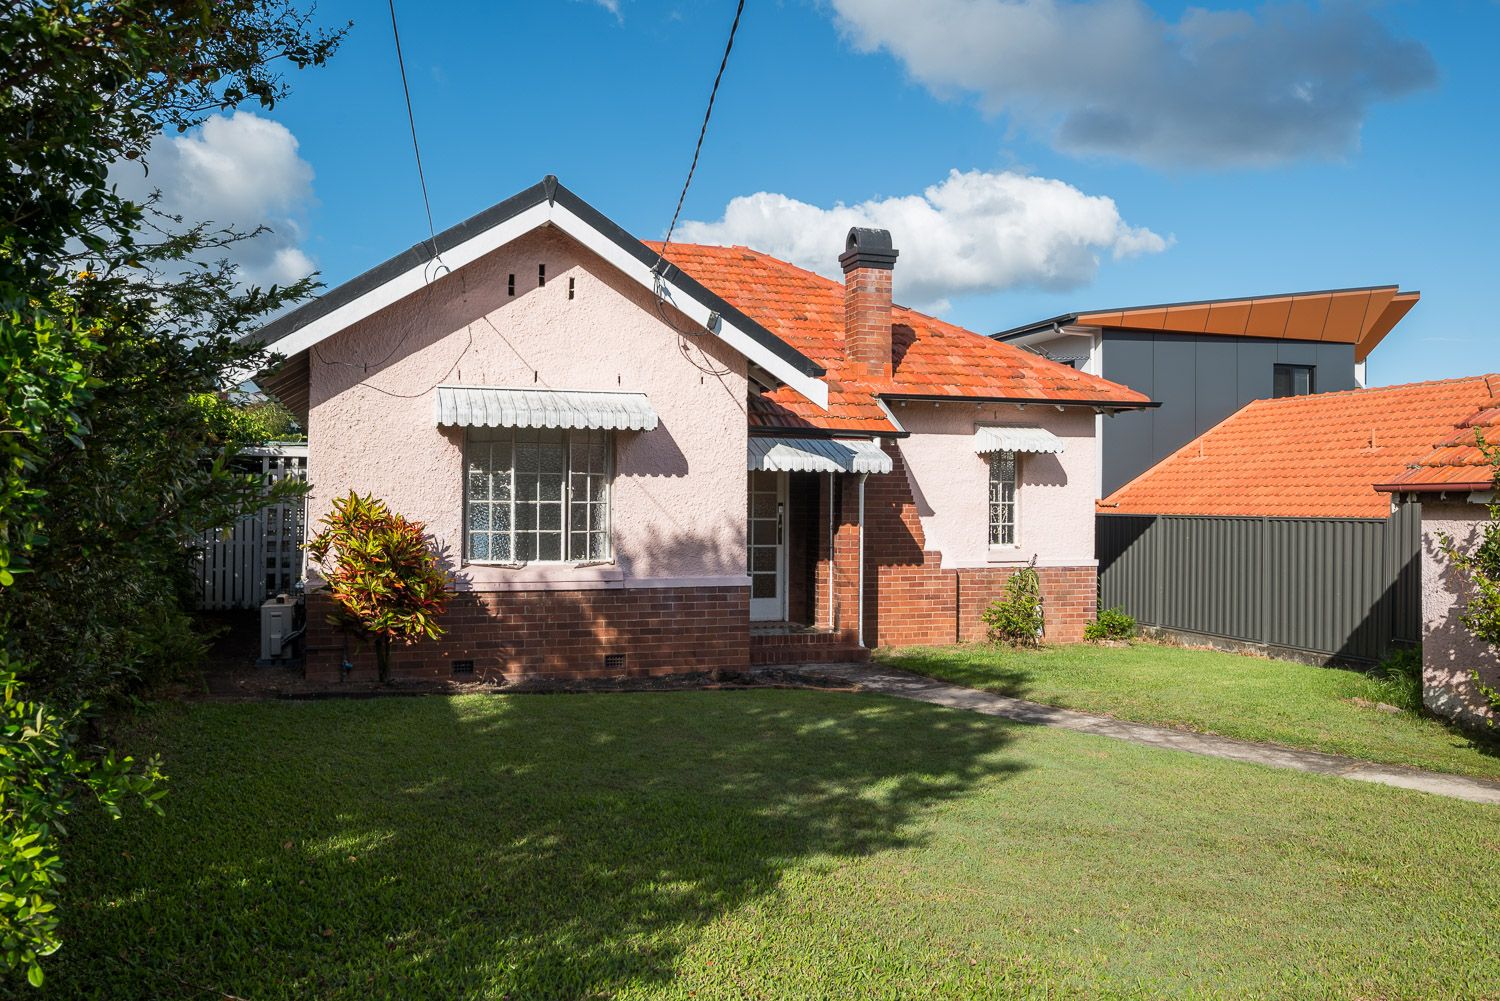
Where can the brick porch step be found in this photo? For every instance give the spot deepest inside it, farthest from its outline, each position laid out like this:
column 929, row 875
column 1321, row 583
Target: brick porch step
column 782, row 643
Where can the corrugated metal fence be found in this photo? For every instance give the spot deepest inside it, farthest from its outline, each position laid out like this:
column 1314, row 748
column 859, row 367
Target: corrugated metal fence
column 1331, row 587
column 259, row 555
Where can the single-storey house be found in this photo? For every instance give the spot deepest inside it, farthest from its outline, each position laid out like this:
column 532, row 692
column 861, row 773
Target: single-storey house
column 640, row 460
column 1455, row 485
column 1204, row 360
column 1268, row 530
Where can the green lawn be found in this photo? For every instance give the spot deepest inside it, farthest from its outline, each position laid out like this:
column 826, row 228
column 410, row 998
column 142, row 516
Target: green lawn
column 760, row 844
column 1253, row 698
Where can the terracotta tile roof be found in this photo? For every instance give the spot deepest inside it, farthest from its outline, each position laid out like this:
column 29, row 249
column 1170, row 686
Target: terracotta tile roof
column 1314, row 456
column 932, row 358
column 1456, row 464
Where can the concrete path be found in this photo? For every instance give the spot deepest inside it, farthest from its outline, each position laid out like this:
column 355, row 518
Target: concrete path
column 888, row 681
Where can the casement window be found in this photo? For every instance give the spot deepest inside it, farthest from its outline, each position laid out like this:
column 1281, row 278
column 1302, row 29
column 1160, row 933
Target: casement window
column 536, row 495
column 1293, row 380
column 1002, row 498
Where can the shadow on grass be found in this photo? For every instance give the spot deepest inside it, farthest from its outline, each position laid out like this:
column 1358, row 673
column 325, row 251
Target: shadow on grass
column 991, row 667
column 535, row 846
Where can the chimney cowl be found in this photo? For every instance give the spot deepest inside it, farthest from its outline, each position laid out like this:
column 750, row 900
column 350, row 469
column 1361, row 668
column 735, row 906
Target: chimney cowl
column 868, row 248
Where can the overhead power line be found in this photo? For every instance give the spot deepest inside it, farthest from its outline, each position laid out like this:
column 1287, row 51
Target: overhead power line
column 412, row 121
column 698, row 148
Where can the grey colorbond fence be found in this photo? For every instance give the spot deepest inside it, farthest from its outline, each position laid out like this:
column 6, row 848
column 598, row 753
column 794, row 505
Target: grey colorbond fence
column 1335, row 588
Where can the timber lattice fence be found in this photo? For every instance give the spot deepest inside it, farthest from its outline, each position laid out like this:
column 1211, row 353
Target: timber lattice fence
column 261, row 554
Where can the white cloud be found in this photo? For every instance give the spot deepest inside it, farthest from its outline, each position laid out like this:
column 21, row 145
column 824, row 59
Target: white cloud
column 973, row 232
column 240, row 171
column 1215, row 88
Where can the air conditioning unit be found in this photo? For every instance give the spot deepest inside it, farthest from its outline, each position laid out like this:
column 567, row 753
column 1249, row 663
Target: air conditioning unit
column 276, row 627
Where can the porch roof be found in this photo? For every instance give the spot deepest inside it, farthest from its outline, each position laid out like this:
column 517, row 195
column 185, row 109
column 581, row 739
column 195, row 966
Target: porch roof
column 817, row 455
column 492, row 407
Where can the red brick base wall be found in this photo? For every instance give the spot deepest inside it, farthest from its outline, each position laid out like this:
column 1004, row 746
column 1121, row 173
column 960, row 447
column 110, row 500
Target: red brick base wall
column 910, row 600
column 924, row 604
column 557, row 634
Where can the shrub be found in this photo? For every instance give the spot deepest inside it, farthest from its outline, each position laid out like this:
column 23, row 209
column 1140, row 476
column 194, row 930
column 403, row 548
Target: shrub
column 384, row 577
column 43, row 773
column 1112, row 624
column 1400, row 679
column 1017, row 618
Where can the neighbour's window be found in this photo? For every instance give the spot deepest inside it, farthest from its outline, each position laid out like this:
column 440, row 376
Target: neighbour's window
column 1002, row 498
column 537, row 495
column 1292, row 380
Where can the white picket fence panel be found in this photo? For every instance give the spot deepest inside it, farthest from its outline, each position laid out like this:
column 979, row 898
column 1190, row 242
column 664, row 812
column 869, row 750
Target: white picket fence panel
column 261, row 554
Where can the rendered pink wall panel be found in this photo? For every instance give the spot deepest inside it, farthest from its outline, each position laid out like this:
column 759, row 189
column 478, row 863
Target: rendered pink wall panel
column 1450, row 653
column 950, row 482
column 679, row 491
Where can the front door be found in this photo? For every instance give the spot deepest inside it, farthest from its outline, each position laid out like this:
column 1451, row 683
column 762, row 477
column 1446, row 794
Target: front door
column 767, row 546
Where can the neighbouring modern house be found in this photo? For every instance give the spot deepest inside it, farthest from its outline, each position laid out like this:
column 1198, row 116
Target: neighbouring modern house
column 1268, row 530
column 1455, row 486
column 1202, row 361
column 637, row 461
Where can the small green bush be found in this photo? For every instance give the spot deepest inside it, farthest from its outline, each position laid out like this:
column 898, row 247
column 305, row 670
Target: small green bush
column 1400, row 679
column 1017, row 618
column 1112, row 624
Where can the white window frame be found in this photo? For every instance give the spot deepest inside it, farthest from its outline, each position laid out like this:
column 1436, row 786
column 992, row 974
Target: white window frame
column 1015, row 503
column 488, row 435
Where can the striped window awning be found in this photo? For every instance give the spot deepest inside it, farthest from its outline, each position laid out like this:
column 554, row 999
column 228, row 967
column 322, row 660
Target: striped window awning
column 817, row 455
column 1016, row 439
column 486, row 407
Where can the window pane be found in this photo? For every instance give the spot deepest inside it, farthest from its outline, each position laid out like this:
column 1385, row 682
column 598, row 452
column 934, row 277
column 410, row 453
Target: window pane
column 500, row 548
column 1002, row 527
column 525, row 517
column 479, row 546
column 549, row 546
column 479, row 517
column 549, row 517
column 550, row 488
column 500, row 518
column 526, row 547
column 598, row 545
column 763, row 585
column 479, row 481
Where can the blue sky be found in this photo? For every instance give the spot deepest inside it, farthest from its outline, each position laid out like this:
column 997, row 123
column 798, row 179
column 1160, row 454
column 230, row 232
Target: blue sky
column 1383, row 173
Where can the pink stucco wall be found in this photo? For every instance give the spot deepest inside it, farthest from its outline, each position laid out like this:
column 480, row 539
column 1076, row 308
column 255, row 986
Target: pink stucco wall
column 1450, row 653
column 679, row 491
column 1055, row 495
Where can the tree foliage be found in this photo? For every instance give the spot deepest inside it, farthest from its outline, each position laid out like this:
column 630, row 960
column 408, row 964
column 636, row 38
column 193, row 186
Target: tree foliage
column 115, row 319
column 382, row 573
column 43, row 773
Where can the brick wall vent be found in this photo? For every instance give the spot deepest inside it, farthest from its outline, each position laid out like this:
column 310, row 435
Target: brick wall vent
column 462, row 667
column 614, row 662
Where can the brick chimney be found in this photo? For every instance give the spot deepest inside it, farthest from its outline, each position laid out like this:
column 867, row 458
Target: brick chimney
column 868, row 260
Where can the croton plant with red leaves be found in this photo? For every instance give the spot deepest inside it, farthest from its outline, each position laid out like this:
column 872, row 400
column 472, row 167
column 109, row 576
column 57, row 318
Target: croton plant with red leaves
column 382, row 574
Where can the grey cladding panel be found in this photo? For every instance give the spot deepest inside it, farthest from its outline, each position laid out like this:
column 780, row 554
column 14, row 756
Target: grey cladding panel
column 1257, row 362
column 1217, row 383
column 1127, row 436
column 1297, row 353
column 1335, row 367
column 1176, row 369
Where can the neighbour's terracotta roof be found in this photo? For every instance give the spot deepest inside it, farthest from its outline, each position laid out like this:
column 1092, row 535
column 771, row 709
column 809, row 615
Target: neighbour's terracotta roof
column 1316, row 456
column 932, row 358
column 1457, row 464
